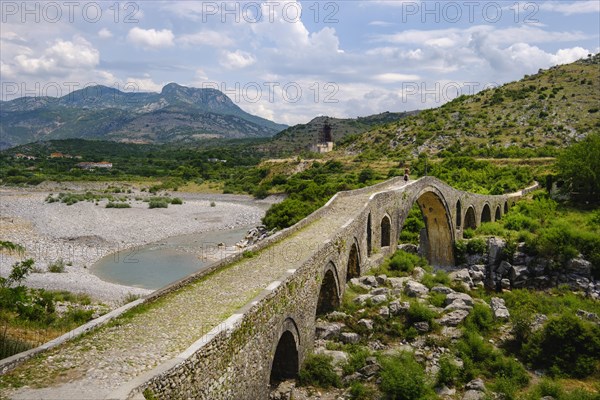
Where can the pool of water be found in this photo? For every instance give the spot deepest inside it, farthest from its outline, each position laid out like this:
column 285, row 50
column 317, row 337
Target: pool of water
column 155, row 265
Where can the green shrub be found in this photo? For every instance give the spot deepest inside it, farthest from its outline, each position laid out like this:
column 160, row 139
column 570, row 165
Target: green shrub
column 418, row 312
column 437, row 299
column 213, row 204
column 117, row 205
column 468, row 233
column 460, row 252
column 402, row 261
column 176, row 200
column 491, row 229
column 518, row 222
column 58, row 266
column 476, row 246
column 448, row 373
column 158, row 204
column 359, row 391
column 356, row 360
column 440, row 277
column 318, row 371
column 480, row 319
column 578, row 341
column 403, row 378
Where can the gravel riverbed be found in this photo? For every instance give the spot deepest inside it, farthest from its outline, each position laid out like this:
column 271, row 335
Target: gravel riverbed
column 82, row 233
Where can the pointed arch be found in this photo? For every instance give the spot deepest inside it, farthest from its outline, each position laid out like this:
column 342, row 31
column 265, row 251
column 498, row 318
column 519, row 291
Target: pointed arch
column 369, row 236
column 329, row 295
column 470, row 221
column 285, row 363
column 498, row 215
column 386, row 231
column 486, row 214
column 505, row 207
column 458, row 214
column 437, row 243
column 353, row 269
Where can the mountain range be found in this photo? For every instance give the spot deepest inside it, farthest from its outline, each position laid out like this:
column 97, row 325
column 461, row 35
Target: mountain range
column 175, row 115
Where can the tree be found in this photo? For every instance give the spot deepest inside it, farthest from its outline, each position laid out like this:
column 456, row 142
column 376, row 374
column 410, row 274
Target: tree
column 579, row 167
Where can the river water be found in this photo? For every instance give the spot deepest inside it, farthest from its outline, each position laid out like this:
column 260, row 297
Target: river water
column 155, row 265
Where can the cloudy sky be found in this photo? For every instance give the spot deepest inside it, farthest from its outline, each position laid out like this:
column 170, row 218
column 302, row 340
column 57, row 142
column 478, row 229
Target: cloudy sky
column 290, row 61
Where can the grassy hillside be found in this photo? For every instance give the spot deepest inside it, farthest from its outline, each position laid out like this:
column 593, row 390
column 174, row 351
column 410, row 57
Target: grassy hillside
column 531, row 117
column 300, row 137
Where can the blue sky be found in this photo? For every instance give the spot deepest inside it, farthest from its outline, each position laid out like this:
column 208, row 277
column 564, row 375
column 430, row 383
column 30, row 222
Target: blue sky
column 290, row 61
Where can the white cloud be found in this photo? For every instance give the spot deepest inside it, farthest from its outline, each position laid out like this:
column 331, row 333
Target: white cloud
column 577, row 7
column 237, row 59
column 145, row 84
column 59, row 59
column 380, row 23
column 104, row 34
column 206, row 38
column 392, row 77
column 151, row 38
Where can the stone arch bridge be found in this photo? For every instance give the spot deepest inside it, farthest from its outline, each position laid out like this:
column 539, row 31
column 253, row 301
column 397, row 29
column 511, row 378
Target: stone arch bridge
column 228, row 332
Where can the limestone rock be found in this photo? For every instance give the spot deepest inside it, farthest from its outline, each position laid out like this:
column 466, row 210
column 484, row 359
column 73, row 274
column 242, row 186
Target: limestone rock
column 476, row 384
column 495, row 248
column 378, row 291
column 442, row 289
column 362, row 299
column 366, row 323
column 499, row 308
column 380, row 298
column 473, row 395
column 384, row 312
column 409, row 248
column 580, row 266
column 458, row 304
column 450, row 298
column 381, row 279
column 349, row 337
column 338, row 357
column 418, row 274
column 398, row 308
column 422, row 327
column 415, row 289
column 398, row 283
column 453, row 318
column 369, row 280
column 327, row 331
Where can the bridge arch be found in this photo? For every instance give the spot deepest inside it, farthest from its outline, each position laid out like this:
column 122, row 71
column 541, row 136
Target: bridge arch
column 353, row 268
column 369, row 236
column 285, row 364
column 505, row 207
column 486, row 214
column 458, row 214
column 386, row 231
column 329, row 294
column 498, row 215
column 439, row 246
column 470, row 220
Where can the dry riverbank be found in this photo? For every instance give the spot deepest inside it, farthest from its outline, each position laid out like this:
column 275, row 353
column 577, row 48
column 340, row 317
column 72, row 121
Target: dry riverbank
column 82, row 233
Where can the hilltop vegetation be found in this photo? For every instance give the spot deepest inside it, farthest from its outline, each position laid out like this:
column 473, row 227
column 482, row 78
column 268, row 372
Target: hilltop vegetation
column 530, row 117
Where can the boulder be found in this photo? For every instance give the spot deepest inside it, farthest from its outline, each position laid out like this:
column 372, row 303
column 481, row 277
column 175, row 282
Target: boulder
column 461, row 275
column 381, row 279
column 502, row 269
column 453, row 318
column 458, row 305
column 339, row 357
column 378, row 291
column 442, row 289
column 380, row 298
column 328, row 331
column 473, row 395
column 409, row 248
column 579, row 266
column 418, row 274
column 495, row 248
column 349, row 337
column 384, row 312
column 476, row 384
column 415, row 289
column 398, row 308
column 366, row 323
column 518, row 273
column 362, row 298
column 369, row 280
column 499, row 308
column 357, row 282
column 422, row 326
column 398, row 283
column 450, row 298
